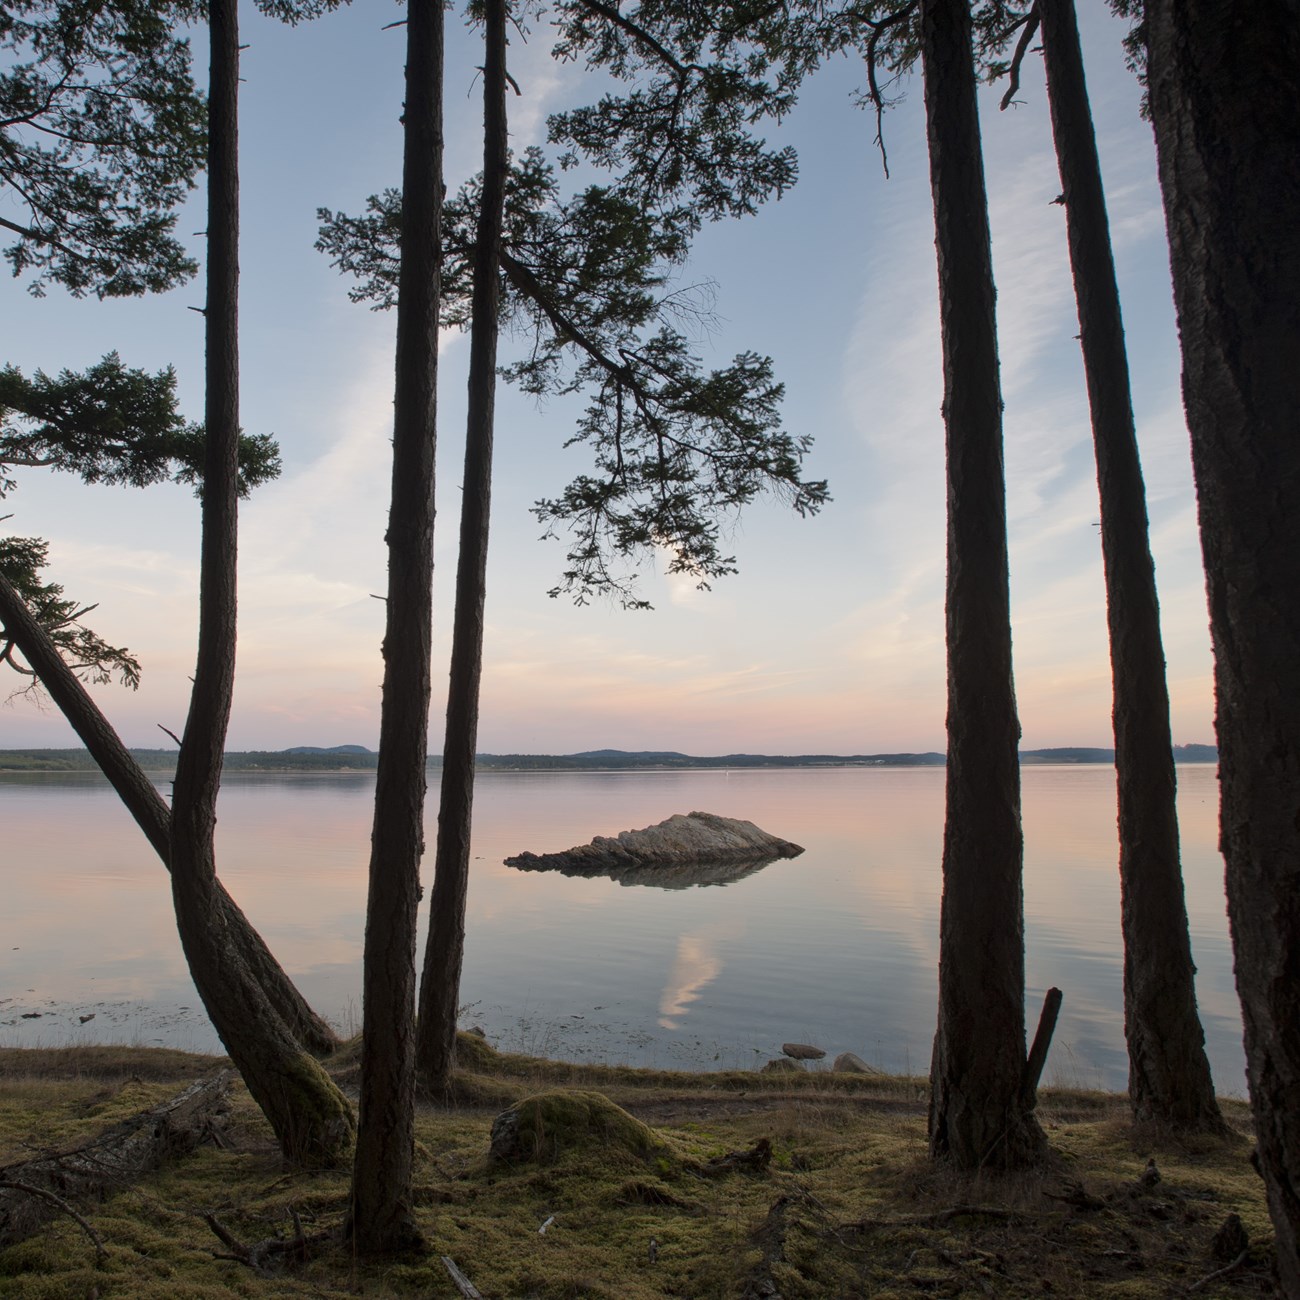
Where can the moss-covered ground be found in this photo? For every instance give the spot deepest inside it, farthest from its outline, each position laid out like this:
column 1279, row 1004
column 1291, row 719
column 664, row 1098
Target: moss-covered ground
column 849, row 1205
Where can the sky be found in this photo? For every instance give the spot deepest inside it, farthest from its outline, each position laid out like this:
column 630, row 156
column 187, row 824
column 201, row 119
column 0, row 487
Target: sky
column 830, row 639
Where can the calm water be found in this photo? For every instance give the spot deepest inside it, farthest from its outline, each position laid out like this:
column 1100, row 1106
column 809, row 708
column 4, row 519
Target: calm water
column 837, row 947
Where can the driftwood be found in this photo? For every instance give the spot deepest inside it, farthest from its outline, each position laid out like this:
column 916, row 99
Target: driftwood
column 770, row 1239
column 262, row 1256
column 32, row 1192
column 460, row 1281
column 754, row 1161
column 1037, row 1057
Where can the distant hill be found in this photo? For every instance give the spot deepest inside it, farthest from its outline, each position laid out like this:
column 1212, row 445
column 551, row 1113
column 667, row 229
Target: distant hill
column 620, row 759
column 315, row 758
column 333, row 749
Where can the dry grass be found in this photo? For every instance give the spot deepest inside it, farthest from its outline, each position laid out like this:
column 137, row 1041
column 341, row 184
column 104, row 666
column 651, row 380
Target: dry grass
column 850, row 1206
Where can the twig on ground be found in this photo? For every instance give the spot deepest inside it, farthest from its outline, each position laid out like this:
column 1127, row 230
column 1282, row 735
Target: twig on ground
column 1218, row 1273
column 59, row 1203
column 461, row 1282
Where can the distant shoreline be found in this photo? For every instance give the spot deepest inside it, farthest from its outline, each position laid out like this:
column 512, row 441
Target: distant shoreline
column 355, row 758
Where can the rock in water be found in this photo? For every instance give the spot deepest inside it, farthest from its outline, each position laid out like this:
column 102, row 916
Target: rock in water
column 802, row 1051
column 695, row 848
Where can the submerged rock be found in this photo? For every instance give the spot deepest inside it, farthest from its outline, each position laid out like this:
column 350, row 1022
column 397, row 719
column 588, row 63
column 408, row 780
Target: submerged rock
column 692, row 849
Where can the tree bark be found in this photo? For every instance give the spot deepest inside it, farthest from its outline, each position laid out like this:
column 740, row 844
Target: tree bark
column 311, row 1118
column 978, row 1116
column 1169, row 1079
column 381, row 1218
column 444, row 951
column 1227, row 121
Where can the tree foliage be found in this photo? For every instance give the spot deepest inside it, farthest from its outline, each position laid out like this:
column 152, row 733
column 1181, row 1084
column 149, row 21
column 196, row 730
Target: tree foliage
column 112, row 424
column 91, row 657
column 587, row 283
column 101, row 134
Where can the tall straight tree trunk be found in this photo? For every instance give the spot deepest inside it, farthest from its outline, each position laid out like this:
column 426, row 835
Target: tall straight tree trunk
column 1169, row 1075
column 440, row 985
column 311, row 1118
column 1223, row 83
column 381, row 1218
column 979, row 1115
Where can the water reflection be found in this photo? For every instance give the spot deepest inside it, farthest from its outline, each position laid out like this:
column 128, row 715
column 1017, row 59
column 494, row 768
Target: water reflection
column 673, row 875
column 694, row 966
column 839, row 945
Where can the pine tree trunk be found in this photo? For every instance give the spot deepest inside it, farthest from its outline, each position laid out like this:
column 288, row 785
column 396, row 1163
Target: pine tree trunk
column 979, row 1115
column 1169, row 1074
column 381, row 1218
column 440, row 985
column 1223, row 82
column 311, row 1118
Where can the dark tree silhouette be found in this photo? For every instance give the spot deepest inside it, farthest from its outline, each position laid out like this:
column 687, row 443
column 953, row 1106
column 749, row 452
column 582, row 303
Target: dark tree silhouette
column 981, row 1116
column 311, row 1118
column 1222, row 83
column 380, row 1217
column 440, row 981
column 1169, row 1074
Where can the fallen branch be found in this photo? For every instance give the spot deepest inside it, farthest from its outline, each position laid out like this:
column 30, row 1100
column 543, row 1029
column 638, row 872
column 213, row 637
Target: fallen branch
column 770, row 1239
column 43, row 1193
column 262, row 1254
column 461, row 1282
column 112, row 1161
column 1218, row 1273
column 1037, row 1057
column 940, row 1217
column 754, row 1161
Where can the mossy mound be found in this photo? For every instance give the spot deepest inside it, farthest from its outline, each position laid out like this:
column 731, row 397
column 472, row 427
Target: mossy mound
column 475, row 1053
column 548, row 1125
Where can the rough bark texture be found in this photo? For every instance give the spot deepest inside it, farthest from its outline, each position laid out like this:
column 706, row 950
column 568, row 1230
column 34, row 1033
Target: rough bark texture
column 440, row 984
column 151, row 812
column 1169, row 1074
column 381, row 1218
column 1223, row 80
column 311, row 1118
column 978, row 1118
column 113, row 1160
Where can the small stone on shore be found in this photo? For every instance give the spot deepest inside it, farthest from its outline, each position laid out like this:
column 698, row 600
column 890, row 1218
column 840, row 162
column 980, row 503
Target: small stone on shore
column 852, row 1063
column 780, row 1065
column 802, row 1051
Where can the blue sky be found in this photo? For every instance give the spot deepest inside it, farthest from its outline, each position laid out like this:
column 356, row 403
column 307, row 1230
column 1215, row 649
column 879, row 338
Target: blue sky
column 831, row 637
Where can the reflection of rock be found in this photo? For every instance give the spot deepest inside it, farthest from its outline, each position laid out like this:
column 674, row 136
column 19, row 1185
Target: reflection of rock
column 695, row 849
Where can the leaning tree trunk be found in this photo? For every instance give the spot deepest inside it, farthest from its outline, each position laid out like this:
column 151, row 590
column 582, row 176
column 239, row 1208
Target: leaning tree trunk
column 980, row 1116
column 311, row 1118
column 1223, row 79
column 440, row 984
column 142, row 800
column 381, row 1217
column 1169, row 1075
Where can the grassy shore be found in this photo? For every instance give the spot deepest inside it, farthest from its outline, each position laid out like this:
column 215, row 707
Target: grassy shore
column 849, row 1205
